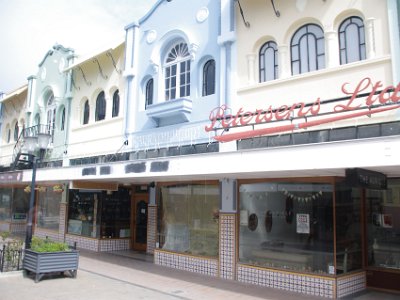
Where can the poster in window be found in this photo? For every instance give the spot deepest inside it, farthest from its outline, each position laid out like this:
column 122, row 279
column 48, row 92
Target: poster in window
column 303, row 223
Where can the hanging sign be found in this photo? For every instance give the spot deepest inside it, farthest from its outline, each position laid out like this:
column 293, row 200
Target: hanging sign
column 377, row 100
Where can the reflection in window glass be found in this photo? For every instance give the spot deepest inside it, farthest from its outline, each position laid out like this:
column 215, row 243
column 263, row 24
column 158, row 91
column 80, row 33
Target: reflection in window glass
column 100, row 107
column 189, row 219
column 294, row 229
column 383, row 226
column 81, row 213
column 5, row 204
column 48, row 209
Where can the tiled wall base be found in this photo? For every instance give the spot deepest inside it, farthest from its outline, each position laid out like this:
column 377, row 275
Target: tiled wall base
column 227, row 242
column 304, row 284
column 351, row 284
column 151, row 228
column 206, row 266
column 52, row 235
column 98, row 245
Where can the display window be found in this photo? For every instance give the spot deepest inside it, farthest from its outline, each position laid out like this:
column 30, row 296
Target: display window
column 287, row 225
column 48, row 210
column 189, row 218
column 99, row 214
column 5, row 204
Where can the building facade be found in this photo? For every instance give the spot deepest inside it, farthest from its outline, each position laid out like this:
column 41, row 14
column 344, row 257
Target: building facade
column 248, row 140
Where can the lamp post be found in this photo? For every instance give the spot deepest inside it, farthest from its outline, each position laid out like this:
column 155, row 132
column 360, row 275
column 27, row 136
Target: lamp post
column 38, row 141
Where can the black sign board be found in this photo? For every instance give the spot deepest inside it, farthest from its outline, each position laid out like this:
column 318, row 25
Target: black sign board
column 358, row 177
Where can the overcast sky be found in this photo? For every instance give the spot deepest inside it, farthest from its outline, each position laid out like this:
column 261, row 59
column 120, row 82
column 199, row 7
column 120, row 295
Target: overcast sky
column 29, row 28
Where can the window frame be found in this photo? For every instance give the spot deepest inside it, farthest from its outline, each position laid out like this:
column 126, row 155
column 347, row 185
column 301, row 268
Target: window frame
column 86, row 112
column 263, row 61
column 177, row 72
column 116, row 104
column 306, row 31
column 344, row 49
column 101, row 106
column 209, row 79
column 149, row 92
column 16, row 131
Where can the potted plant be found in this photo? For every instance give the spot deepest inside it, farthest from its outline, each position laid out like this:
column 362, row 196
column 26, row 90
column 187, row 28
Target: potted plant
column 46, row 256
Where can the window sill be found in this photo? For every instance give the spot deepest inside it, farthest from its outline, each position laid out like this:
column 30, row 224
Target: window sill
column 170, row 112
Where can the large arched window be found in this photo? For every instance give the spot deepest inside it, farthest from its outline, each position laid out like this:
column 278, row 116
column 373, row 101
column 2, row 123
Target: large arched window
column 86, row 112
column 209, row 78
column 307, row 49
column 149, row 92
column 100, row 107
column 352, row 40
column 115, row 105
column 268, row 60
column 16, row 132
column 177, row 72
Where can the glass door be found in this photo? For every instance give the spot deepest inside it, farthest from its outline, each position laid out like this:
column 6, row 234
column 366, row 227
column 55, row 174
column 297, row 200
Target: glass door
column 139, row 222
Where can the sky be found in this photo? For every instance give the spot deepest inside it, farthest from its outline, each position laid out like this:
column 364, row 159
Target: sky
column 30, row 28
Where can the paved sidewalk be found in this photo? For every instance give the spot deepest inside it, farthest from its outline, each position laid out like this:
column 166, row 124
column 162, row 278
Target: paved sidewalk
column 117, row 277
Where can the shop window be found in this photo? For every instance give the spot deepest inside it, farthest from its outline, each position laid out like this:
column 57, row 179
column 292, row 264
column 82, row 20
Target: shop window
column 189, row 219
column 48, row 209
column 268, row 61
column 149, row 92
column 352, row 40
column 115, row 107
column 100, row 113
column 16, row 132
column 307, row 49
column 20, row 205
column 177, row 72
column 86, row 112
column 81, row 213
column 209, row 78
column 287, row 226
column 383, row 226
column 5, row 204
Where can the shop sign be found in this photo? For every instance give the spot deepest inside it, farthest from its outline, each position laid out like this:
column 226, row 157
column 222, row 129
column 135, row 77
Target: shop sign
column 363, row 178
column 19, row 216
column 377, row 100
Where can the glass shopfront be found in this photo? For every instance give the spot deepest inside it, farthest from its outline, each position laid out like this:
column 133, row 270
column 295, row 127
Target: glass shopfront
column 5, row 204
column 99, row 214
column 20, row 205
column 48, row 210
column 287, row 226
column 189, row 218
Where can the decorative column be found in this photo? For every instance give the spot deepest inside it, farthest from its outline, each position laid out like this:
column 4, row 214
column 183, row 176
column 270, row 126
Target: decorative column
column 227, row 230
column 370, row 38
column 284, row 67
column 251, row 68
column 332, row 49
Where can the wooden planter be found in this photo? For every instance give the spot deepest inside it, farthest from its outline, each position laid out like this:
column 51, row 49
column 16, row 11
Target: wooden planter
column 42, row 263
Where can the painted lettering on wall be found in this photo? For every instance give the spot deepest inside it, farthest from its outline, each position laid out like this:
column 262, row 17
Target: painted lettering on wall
column 378, row 100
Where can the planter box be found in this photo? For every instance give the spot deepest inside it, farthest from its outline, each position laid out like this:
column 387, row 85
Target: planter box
column 42, row 263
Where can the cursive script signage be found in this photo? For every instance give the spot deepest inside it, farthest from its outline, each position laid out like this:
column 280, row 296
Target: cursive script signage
column 366, row 99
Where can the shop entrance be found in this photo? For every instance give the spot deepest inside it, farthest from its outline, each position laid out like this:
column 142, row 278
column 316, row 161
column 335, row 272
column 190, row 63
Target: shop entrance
column 139, row 222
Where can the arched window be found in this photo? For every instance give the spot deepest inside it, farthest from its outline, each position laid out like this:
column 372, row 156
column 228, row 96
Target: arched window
column 268, row 61
column 62, row 125
column 8, row 134
column 177, row 72
column 149, row 92
column 16, row 132
column 100, row 107
column 51, row 114
column 307, row 49
column 352, row 40
column 86, row 112
column 209, row 78
column 115, row 107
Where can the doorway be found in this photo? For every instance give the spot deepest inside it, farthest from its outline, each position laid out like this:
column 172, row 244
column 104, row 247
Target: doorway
column 139, row 222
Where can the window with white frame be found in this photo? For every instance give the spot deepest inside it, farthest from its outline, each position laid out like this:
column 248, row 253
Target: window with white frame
column 177, row 72
column 100, row 107
column 268, row 61
column 115, row 107
column 16, row 132
column 307, row 49
column 149, row 92
column 209, row 78
column 352, row 40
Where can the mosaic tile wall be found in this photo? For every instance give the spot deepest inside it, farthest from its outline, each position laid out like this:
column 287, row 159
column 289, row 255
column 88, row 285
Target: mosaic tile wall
column 82, row 242
column 114, row 244
column 310, row 285
column 63, row 216
column 227, row 245
column 151, row 228
column 206, row 266
column 351, row 284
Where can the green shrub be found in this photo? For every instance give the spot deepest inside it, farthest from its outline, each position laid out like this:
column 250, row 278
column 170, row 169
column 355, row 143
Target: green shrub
column 46, row 245
column 4, row 235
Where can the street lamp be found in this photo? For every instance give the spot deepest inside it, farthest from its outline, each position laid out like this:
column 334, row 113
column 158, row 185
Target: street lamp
column 37, row 140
